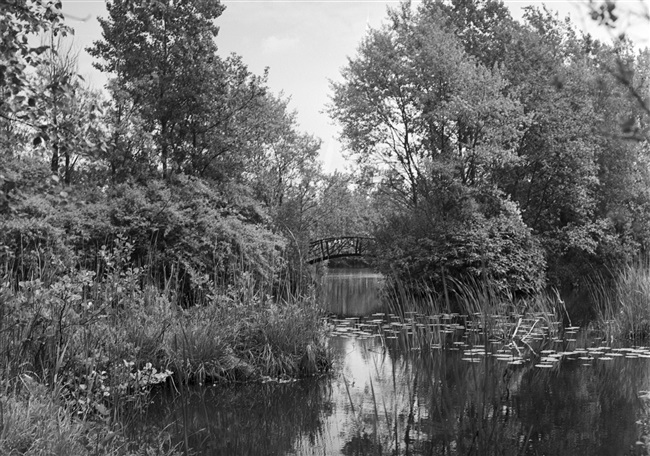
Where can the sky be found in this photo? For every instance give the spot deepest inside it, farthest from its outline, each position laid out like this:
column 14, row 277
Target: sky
column 305, row 44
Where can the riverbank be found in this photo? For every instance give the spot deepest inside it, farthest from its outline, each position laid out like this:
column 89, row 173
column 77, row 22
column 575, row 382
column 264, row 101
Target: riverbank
column 80, row 356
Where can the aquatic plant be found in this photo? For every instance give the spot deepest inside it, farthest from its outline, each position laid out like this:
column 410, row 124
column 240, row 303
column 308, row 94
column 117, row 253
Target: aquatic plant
column 462, row 400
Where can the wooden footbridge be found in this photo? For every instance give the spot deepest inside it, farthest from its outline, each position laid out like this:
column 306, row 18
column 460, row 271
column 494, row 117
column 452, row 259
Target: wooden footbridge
column 338, row 247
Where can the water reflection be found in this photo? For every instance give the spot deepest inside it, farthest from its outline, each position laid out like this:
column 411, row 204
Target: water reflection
column 265, row 419
column 434, row 403
column 351, row 291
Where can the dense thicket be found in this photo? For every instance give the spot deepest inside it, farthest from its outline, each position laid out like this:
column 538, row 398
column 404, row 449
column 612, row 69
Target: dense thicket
column 504, row 149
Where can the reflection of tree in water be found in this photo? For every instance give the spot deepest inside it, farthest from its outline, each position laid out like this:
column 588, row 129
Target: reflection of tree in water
column 438, row 404
column 260, row 419
column 351, row 292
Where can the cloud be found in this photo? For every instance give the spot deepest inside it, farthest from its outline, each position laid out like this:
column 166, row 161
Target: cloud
column 276, row 45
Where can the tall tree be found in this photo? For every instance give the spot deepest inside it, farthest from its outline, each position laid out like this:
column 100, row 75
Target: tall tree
column 164, row 57
column 575, row 174
column 281, row 156
column 484, row 27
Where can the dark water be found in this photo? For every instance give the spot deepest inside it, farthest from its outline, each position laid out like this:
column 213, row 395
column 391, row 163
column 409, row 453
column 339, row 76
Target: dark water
column 392, row 396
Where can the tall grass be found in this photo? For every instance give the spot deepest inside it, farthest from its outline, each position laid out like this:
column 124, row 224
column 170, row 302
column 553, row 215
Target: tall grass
column 233, row 342
column 624, row 305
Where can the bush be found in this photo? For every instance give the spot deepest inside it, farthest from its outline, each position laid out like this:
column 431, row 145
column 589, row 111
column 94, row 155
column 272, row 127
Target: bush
column 184, row 230
column 485, row 240
column 235, row 342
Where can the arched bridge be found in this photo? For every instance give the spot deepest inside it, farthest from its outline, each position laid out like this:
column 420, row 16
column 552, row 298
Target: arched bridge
column 338, row 247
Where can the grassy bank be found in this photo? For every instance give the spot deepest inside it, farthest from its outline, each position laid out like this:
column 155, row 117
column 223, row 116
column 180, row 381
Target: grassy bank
column 80, row 352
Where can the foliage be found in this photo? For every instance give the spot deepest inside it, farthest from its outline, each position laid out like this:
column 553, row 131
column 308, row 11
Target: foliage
column 229, row 341
column 197, row 107
column 618, row 19
column 69, row 112
column 178, row 230
column 488, row 241
column 454, row 98
column 565, row 180
column 35, row 423
column 344, row 209
column 415, row 102
column 102, row 342
column 19, row 21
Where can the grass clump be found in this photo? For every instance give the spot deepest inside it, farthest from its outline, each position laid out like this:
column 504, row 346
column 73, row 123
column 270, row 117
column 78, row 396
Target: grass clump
column 624, row 305
column 235, row 342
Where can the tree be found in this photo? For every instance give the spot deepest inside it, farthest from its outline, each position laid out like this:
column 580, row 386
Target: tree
column 130, row 148
column 69, row 111
column 20, row 107
column 483, row 27
column 344, row 209
column 573, row 171
column 164, row 58
column 418, row 108
column 618, row 18
column 280, row 156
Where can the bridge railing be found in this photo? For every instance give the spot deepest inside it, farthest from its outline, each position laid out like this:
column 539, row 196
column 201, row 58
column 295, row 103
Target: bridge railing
column 338, row 247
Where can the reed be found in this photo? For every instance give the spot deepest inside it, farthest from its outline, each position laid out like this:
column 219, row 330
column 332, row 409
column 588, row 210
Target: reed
column 236, row 342
column 478, row 306
column 624, row 305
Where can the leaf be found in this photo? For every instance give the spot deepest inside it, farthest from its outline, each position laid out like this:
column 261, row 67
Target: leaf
column 101, row 409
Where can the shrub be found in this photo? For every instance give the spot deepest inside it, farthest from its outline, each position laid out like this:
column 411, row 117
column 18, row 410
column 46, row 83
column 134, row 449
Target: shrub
column 486, row 241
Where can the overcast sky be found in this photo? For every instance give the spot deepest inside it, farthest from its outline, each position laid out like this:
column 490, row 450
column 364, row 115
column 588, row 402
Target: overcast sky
column 304, row 44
